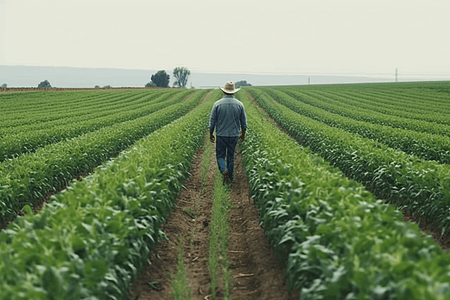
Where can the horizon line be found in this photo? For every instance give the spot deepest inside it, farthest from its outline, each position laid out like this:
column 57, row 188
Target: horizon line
column 279, row 73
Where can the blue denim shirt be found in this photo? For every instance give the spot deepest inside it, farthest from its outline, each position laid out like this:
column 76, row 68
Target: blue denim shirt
column 228, row 117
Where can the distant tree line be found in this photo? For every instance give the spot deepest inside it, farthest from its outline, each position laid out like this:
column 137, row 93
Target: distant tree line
column 241, row 83
column 182, row 75
column 162, row 79
column 44, row 85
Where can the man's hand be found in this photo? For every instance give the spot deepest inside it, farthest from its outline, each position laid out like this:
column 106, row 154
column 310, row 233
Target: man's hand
column 211, row 137
column 242, row 136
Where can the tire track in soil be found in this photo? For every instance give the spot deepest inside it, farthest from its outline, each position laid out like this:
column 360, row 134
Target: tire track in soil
column 248, row 249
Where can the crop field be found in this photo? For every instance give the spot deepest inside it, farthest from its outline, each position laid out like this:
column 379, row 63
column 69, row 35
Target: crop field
column 329, row 178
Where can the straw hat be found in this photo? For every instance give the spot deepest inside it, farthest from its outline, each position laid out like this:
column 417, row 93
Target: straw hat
column 229, row 88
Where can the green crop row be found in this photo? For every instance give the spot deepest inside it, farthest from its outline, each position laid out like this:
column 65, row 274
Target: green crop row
column 64, row 102
column 417, row 186
column 29, row 140
column 407, row 102
column 42, row 101
column 60, row 108
column 426, row 146
column 48, row 120
column 391, row 107
column 370, row 116
column 92, row 109
column 29, row 178
column 412, row 101
column 92, row 240
column 336, row 239
column 415, row 96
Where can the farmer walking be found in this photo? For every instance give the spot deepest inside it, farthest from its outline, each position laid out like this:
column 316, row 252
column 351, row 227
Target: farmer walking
column 227, row 117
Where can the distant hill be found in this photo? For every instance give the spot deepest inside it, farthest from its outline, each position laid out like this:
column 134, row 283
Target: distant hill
column 67, row 77
column 24, row 76
column 211, row 80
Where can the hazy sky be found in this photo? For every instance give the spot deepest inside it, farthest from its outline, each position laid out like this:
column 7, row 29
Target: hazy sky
column 234, row 36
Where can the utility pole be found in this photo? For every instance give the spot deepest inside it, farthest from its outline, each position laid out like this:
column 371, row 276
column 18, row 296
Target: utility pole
column 309, row 80
column 396, row 75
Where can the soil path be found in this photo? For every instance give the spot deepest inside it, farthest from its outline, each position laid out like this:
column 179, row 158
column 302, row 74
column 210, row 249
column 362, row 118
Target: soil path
column 256, row 271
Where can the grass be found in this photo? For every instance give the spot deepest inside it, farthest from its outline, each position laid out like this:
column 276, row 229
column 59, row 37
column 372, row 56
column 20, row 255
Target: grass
column 218, row 238
column 191, row 213
column 180, row 284
column 218, row 263
column 208, row 149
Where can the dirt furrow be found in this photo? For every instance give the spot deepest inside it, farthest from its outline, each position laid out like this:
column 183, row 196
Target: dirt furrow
column 195, row 198
column 255, row 269
column 257, row 273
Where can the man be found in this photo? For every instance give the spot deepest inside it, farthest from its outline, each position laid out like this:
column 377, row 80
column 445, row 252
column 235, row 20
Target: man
column 227, row 117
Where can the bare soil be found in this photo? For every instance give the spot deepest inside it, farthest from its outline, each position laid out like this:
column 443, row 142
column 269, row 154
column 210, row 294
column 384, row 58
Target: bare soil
column 428, row 229
column 256, row 271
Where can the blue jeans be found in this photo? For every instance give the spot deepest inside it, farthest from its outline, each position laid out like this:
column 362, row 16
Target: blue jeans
column 225, row 147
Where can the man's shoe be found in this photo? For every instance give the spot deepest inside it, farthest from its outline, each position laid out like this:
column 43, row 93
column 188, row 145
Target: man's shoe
column 226, row 177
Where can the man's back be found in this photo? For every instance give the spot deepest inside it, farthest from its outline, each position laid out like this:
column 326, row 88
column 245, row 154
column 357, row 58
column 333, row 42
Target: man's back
column 228, row 116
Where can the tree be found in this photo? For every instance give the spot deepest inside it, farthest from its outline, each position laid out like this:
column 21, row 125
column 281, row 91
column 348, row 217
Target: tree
column 150, row 85
column 161, row 79
column 44, row 84
column 242, row 83
column 4, row 85
column 182, row 75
